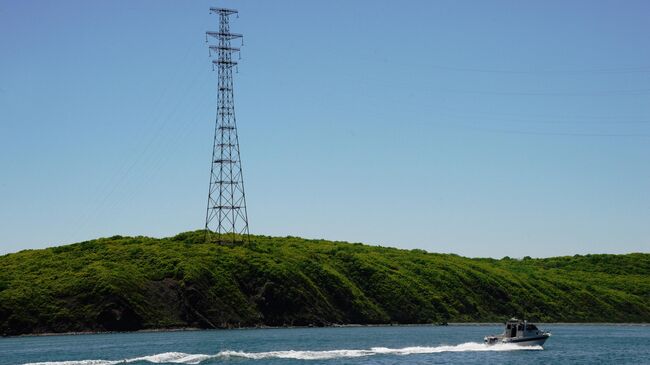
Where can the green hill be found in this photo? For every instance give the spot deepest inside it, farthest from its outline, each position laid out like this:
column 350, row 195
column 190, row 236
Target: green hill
column 131, row 283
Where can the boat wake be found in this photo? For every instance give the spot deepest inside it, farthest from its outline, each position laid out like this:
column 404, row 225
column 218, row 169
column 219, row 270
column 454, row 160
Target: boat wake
column 182, row 358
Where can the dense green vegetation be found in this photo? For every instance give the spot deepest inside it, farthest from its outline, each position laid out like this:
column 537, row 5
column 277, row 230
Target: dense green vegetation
column 130, row 283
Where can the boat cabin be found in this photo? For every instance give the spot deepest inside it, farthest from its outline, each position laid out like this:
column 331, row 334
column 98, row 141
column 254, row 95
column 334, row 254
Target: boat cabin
column 518, row 328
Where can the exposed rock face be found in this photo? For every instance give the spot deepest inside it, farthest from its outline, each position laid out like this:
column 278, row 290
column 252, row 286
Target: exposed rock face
column 119, row 317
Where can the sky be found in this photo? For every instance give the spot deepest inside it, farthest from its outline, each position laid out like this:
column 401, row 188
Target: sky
column 481, row 128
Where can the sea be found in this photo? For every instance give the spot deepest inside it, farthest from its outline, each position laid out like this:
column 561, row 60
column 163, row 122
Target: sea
column 453, row 344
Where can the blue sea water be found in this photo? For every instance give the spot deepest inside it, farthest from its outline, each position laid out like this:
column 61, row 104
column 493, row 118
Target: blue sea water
column 570, row 344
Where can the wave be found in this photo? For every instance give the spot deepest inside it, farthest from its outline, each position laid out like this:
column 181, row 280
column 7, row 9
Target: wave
column 193, row 359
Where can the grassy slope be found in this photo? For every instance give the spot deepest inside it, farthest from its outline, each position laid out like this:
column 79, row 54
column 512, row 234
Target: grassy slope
column 123, row 283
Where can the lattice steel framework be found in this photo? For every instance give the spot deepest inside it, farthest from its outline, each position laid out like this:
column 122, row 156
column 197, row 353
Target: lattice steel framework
column 226, row 212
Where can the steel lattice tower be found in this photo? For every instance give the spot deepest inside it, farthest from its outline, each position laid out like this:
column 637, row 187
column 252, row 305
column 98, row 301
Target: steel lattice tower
column 226, row 213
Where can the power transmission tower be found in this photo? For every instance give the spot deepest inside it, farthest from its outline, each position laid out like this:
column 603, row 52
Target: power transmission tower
column 226, row 213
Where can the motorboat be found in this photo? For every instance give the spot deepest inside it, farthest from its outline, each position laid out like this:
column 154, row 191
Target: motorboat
column 519, row 332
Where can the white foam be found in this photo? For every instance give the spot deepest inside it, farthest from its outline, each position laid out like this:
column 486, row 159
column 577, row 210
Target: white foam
column 297, row 355
column 193, row 359
column 172, row 357
column 333, row 354
column 465, row 347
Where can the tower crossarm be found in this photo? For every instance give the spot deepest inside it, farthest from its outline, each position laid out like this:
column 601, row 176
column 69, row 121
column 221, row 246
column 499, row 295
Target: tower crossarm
column 224, row 62
column 224, row 48
column 224, row 11
column 223, row 35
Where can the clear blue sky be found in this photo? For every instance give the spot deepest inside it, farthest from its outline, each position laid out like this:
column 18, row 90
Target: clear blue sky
column 483, row 128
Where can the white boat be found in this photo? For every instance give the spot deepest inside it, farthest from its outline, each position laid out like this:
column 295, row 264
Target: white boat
column 521, row 333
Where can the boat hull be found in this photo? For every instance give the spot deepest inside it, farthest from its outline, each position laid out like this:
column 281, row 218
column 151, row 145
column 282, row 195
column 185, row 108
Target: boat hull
column 533, row 341
column 526, row 341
